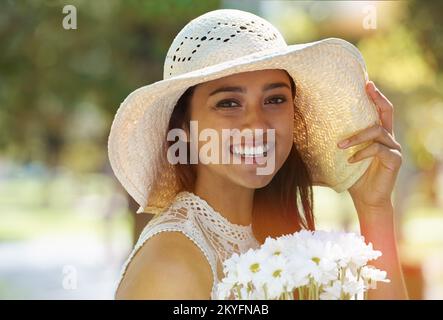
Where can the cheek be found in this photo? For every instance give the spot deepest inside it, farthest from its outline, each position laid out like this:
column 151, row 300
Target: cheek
column 284, row 135
column 217, row 125
column 210, row 140
column 284, row 125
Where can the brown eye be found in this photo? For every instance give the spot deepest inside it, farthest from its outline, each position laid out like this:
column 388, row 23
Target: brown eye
column 277, row 100
column 226, row 104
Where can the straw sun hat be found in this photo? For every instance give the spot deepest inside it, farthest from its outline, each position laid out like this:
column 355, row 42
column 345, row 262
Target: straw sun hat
column 330, row 76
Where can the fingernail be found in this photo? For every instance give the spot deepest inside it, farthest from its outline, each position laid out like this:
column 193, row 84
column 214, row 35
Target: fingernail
column 343, row 143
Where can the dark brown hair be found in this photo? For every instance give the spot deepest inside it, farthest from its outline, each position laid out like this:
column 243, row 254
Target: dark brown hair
column 276, row 209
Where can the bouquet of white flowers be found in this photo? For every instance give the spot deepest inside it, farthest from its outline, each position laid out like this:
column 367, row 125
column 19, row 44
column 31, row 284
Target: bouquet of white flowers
column 305, row 265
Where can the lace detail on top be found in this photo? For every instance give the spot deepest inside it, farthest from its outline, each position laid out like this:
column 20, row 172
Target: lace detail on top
column 215, row 235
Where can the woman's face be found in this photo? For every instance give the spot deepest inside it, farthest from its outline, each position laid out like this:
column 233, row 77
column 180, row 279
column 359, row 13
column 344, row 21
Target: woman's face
column 252, row 100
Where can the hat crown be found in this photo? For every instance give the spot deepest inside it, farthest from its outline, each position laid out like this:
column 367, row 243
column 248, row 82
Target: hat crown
column 219, row 36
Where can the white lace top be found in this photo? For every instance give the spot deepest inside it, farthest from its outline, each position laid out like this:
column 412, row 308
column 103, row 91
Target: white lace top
column 217, row 237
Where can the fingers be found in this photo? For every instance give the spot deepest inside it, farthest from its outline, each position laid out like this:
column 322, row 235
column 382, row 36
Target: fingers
column 375, row 133
column 384, row 106
column 391, row 158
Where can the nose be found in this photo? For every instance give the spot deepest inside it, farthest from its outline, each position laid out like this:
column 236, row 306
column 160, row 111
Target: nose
column 256, row 120
column 255, row 117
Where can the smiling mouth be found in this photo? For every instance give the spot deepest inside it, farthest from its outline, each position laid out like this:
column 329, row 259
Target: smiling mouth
column 251, row 151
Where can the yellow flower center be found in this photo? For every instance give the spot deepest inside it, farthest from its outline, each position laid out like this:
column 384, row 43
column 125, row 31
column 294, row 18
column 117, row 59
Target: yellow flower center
column 255, row 267
column 276, row 273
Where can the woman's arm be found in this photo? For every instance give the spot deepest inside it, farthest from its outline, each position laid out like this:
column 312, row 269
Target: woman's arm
column 377, row 225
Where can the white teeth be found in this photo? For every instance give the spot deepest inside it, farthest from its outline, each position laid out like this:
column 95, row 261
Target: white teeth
column 250, row 151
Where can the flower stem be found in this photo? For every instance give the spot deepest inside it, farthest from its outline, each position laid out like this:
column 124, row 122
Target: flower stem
column 239, row 292
column 300, row 293
column 266, row 291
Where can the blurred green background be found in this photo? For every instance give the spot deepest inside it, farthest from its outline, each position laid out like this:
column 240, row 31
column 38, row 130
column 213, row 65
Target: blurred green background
column 66, row 225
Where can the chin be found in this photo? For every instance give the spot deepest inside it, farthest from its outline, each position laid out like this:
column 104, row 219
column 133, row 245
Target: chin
column 258, row 183
column 249, row 179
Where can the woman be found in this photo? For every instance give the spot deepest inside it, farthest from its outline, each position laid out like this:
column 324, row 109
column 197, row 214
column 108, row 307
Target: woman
column 231, row 70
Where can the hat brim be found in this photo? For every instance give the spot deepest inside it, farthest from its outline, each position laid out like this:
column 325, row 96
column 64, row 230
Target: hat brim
column 330, row 76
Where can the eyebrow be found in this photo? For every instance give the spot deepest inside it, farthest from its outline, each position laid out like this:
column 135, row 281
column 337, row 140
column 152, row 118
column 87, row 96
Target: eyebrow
column 266, row 87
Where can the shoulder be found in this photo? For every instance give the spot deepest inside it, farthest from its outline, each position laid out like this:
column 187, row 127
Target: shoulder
column 168, row 266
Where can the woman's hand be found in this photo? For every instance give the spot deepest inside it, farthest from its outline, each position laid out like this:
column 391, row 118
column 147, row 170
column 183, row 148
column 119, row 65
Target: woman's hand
column 373, row 190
